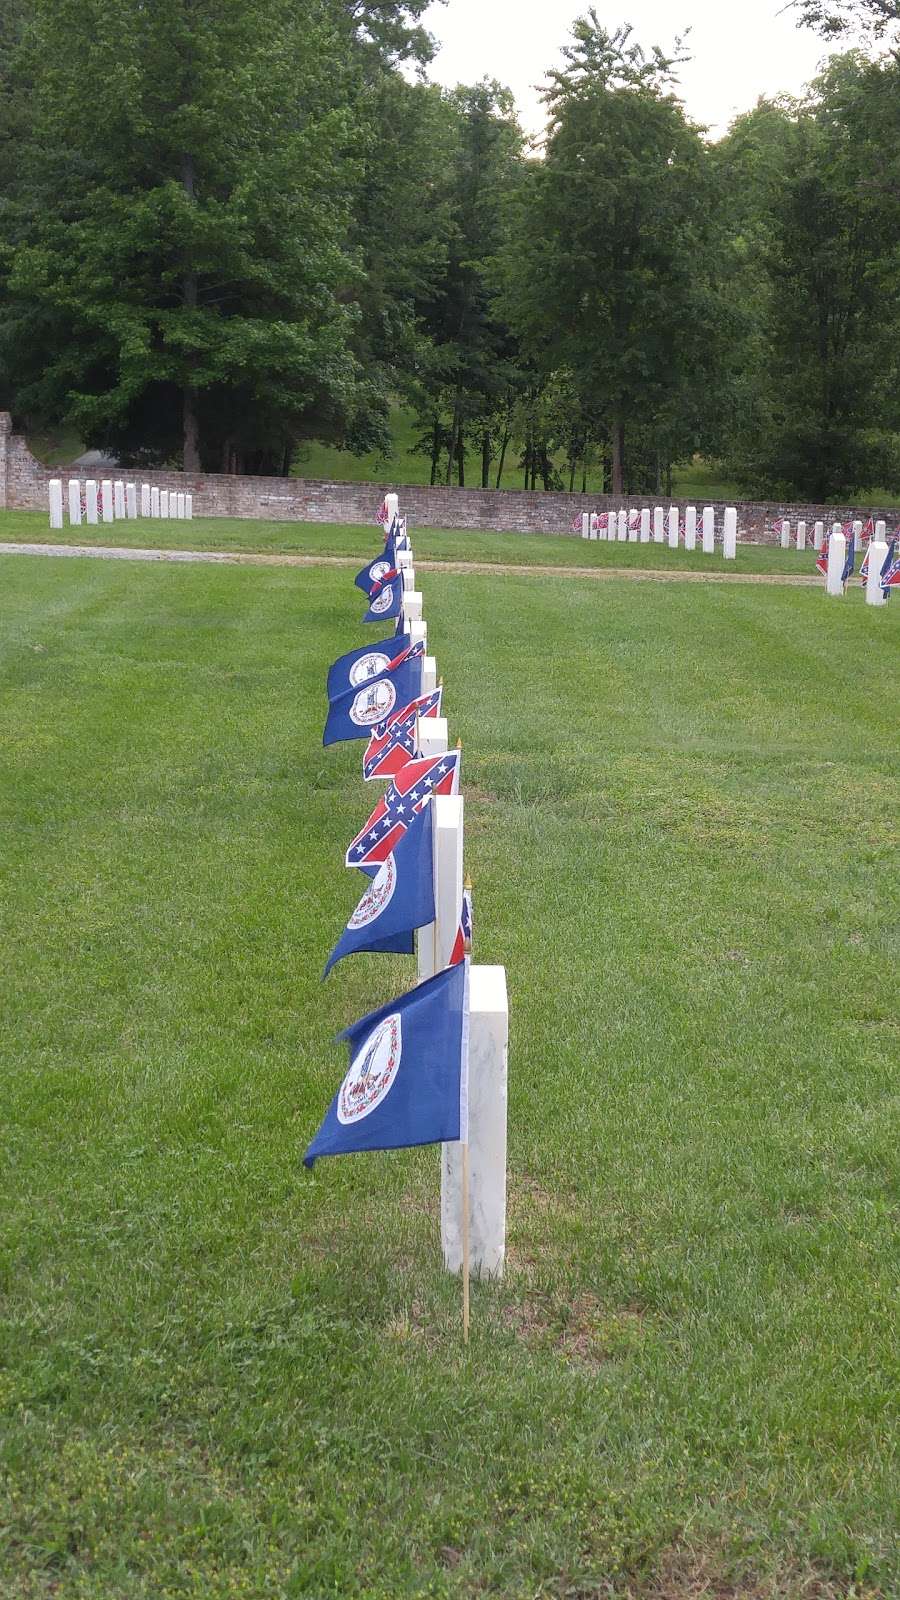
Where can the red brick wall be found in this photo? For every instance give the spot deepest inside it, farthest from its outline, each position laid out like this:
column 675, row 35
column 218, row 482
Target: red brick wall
column 23, row 486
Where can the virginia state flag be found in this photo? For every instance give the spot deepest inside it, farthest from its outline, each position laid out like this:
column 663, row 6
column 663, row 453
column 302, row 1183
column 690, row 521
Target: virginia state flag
column 399, row 898
column 408, row 1081
column 377, row 569
column 353, row 715
column 370, row 661
column 386, row 598
column 393, row 743
column 409, row 791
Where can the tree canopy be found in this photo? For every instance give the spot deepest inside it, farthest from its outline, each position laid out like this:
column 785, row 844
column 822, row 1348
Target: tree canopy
column 227, row 228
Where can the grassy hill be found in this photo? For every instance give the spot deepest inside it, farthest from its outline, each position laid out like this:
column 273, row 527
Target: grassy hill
column 405, row 465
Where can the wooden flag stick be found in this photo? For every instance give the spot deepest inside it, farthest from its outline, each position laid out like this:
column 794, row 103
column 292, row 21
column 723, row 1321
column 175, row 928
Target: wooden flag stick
column 465, row 1239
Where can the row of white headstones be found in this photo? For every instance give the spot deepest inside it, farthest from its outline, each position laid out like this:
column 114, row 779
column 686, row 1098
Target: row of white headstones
column 488, row 1004
column 628, row 526
column 114, row 500
column 837, row 559
column 636, row 528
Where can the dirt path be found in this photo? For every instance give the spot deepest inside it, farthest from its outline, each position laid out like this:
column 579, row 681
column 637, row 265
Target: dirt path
column 244, row 558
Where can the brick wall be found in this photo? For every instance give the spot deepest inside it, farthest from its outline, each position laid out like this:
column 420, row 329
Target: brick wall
column 23, row 486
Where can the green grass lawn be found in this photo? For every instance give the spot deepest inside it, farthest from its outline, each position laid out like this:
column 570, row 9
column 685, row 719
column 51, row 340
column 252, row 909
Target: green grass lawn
column 431, row 544
column 221, row 1376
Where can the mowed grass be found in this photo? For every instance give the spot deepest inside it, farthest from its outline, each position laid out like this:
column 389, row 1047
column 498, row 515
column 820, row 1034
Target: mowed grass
column 432, row 544
column 222, row 1376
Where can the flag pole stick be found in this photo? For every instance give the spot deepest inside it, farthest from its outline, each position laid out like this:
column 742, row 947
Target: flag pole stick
column 465, row 1239
column 467, row 954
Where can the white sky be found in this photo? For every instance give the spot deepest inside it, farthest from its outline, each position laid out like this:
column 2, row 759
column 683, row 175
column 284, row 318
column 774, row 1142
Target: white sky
column 740, row 48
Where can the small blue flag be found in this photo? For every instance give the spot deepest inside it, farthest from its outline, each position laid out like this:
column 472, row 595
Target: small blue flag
column 377, row 569
column 408, row 1081
column 399, row 898
column 386, row 601
column 353, row 715
column 370, row 661
column 850, row 560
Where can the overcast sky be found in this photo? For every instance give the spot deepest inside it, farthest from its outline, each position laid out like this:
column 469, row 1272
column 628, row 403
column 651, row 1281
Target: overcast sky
column 740, row 48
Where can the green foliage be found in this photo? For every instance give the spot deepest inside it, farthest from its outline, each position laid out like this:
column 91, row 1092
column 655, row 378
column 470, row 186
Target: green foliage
column 180, row 262
column 470, row 380
column 176, row 242
column 835, row 18
column 818, row 233
column 235, row 235
column 610, row 270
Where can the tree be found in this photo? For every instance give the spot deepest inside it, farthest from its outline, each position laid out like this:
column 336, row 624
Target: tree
column 834, row 18
column 611, row 265
column 389, row 30
column 176, row 277
column 823, row 373
column 466, row 386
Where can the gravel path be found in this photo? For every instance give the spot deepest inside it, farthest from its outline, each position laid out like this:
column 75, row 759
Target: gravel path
column 241, row 558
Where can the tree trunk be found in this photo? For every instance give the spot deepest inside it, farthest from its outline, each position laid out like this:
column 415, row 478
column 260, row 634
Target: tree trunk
column 461, row 456
column 584, row 473
column 502, row 456
column 454, row 435
column 435, row 447
column 191, row 427
column 618, row 455
column 190, row 424
column 546, row 465
column 668, row 480
column 486, row 459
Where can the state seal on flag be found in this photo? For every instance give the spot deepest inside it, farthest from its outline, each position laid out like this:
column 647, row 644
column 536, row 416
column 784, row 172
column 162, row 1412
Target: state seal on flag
column 383, row 601
column 372, row 704
column 368, row 666
column 377, row 570
column 377, row 897
column 372, row 1072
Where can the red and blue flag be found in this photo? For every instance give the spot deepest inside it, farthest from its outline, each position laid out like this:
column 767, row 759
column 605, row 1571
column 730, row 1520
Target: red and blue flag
column 393, row 743
column 407, row 793
column 890, row 570
column 463, row 943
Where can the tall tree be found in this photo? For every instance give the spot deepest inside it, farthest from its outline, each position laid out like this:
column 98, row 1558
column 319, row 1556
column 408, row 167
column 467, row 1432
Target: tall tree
column 175, row 272
column 465, row 386
column 610, row 269
column 825, row 366
column 834, row 18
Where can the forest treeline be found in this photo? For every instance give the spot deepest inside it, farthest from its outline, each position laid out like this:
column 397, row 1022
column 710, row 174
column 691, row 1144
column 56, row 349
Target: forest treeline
column 228, row 226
